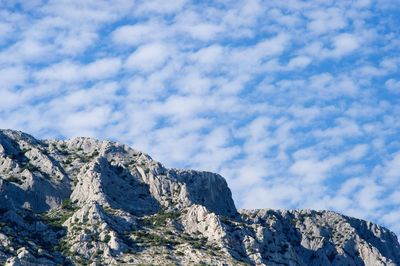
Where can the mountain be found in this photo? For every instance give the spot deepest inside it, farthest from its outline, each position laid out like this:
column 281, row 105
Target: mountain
column 86, row 201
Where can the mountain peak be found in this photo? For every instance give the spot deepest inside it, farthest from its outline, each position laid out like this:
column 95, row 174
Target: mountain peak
column 99, row 202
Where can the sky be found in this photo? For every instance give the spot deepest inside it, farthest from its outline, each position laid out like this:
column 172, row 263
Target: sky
column 296, row 103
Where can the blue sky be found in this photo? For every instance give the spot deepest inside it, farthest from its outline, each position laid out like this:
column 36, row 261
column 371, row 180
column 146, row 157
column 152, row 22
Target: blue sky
column 295, row 102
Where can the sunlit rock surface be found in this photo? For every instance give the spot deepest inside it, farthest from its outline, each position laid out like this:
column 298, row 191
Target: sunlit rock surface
column 85, row 201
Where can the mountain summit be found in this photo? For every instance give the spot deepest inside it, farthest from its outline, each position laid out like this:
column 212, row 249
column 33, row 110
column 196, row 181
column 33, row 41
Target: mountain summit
column 86, row 201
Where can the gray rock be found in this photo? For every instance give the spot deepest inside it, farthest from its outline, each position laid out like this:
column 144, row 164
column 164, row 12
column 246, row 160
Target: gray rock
column 89, row 201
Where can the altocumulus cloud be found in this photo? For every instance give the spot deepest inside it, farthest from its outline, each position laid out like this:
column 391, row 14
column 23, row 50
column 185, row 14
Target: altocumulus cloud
column 295, row 102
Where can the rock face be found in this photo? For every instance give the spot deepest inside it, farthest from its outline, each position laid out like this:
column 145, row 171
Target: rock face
column 85, row 201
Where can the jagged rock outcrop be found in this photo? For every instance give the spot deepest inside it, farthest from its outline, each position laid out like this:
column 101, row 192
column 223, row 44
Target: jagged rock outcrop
column 85, row 201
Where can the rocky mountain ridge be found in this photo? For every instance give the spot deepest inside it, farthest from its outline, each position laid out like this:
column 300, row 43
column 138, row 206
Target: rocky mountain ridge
column 90, row 202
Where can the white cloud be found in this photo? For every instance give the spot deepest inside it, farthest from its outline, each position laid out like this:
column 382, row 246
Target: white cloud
column 12, row 76
column 390, row 64
column 326, row 20
column 136, row 34
column 393, row 85
column 392, row 219
column 88, row 12
column 194, row 83
column 102, row 68
column 313, row 171
column 391, row 170
column 272, row 46
column 209, row 56
column 203, row 31
column 5, row 30
column 340, row 45
column 343, row 44
column 75, row 42
column 85, row 122
column 182, row 106
column 299, row 62
column 69, row 71
column 64, row 71
column 10, row 99
column 148, row 57
column 368, row 196
column 288, row 20
column 264, row 196
column 344, row 128
column 362, row 3
column 28, row 50
column 73, row 100
column 357, row 152
column 160, row 6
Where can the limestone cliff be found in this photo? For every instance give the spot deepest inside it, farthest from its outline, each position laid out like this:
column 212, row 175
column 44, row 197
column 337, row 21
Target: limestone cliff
column 85, row 201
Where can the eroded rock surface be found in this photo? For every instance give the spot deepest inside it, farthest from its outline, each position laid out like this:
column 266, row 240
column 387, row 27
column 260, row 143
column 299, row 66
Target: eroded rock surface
column 85, row 201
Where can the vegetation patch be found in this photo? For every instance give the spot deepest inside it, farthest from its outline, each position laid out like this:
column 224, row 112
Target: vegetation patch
column 160, row 218
column 68, row 205
column 107, row 238
column 14, row 179
column 152, row 239
column 56, row 218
